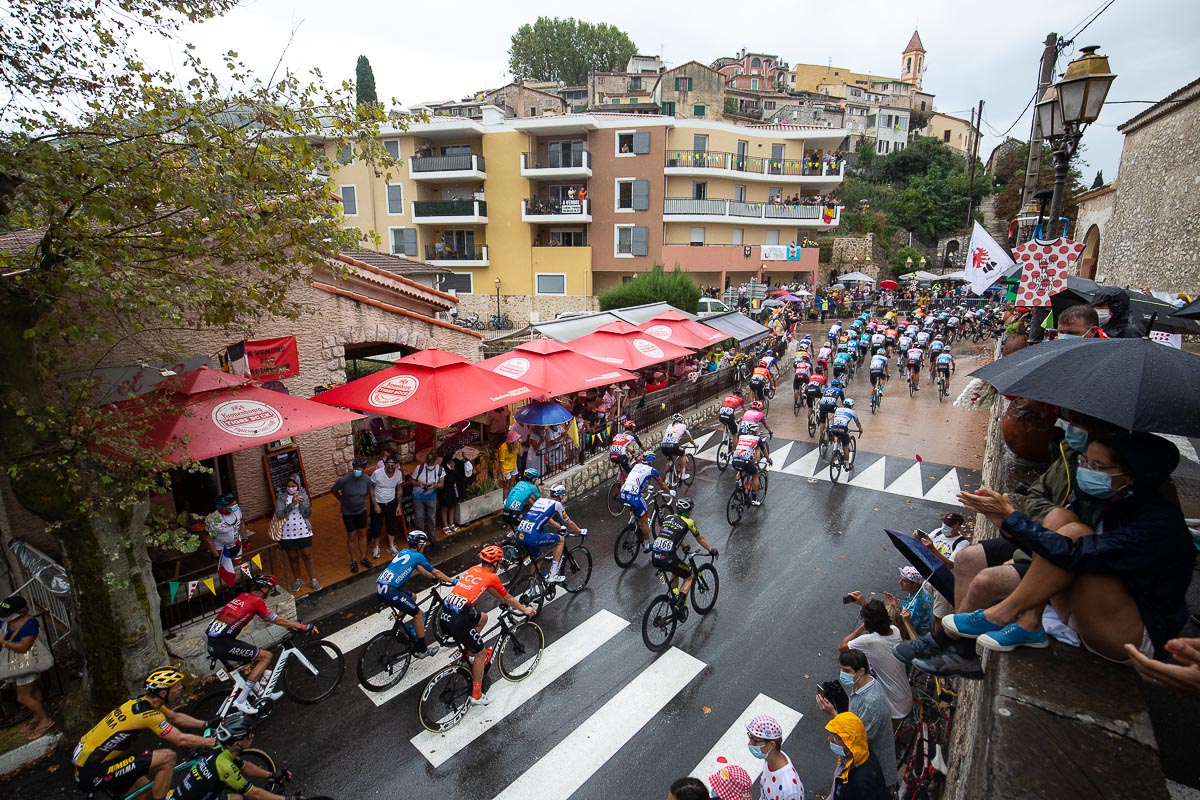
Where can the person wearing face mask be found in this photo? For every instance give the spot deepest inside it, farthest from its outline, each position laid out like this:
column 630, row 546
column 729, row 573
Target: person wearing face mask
column 352, row 491
column 858, row 775
column 870, row 705
column 1078, row 322
column 1116, row 563
column 779, row 780
column 225, row 528
column 1112, row 309
column 295, row 538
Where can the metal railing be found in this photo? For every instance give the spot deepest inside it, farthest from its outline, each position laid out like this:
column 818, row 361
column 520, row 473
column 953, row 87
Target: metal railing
column 537, row 206
column 683, row 206
column 687, row 205
column 656, row 407
column 441, row 252
column 45, row 586
column 180, row 610
column 556, row 159
column 713, row 159
column 546, row 242
column 463, row 162
column 450, row 208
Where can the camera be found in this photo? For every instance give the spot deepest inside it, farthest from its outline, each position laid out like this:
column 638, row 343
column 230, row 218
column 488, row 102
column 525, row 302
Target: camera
column 848, row 599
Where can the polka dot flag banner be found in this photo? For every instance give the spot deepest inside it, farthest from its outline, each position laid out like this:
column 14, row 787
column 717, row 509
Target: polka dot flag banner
column 1044, row 268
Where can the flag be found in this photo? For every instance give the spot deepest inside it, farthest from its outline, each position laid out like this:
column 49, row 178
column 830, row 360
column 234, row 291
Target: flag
column 573, row 432
column 211, row 585
column 257, row 559
column 225, row 568
column 191, row 588
column 986, row 260
column 245, row 568
column 173, row 588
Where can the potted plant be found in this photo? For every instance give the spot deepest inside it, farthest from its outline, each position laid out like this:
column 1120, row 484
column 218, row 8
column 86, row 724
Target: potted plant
column 405, row 429
column 484, row 497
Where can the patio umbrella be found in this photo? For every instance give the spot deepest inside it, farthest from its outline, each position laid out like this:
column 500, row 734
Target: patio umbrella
column 1142, row 307
column 213, row 413
column 677, row 328
column 791, row 298
column 778, row 291
column 554, row 368
column 888, row 284
column 542, row 413
column 856, row 277
column 919, row 275
column 1136, row 384
column 929, row 565
column 774, row 302
column 431, row 387
column 623, row 345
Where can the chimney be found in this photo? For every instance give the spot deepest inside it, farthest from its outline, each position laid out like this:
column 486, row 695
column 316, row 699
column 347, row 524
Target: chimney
column 491, row 115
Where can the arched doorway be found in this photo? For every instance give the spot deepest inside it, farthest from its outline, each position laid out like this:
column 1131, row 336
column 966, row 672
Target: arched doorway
column 1091, row 253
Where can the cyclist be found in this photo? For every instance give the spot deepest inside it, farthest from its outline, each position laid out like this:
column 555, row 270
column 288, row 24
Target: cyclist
column 800, row 377
column 835, row 330
column 823, row 359
column 829, row 401
column 728, row 413
column 460, row 618
column 222, row 773
column 841, row 363
column 768, row 360
column 905, row 342
column 521, row 497
column 618, row 449
column 672, row 443
column 943, row 365
column 890, row 335
column 675, row 529
column 878, row 342
column 879, row 369
column 935, row 348
column 531, row 532
column 631, row 494
column 746, row 453
column 839, row 428
column 814, row 388
column 757, row 415
column 915, row 357
column 389, row 586
column 102, row 757
column 759, row 379
column 222, row 642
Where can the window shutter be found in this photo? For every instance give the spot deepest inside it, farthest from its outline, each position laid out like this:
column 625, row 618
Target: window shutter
column 641, row 195
column 689, row 84
column 641, row 142
column 641, row 240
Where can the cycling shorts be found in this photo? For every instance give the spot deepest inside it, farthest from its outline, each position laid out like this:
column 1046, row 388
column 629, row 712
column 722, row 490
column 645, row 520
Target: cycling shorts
column 672, row 449
column 943, row 368
column 535, row 540
column 461, row 626
column 227, row 648
column 635, row 502
column 889, row 340
column 746, row 465
column 732, row 425
column 914, row 364
column 398, row 599
column 669, row 562
column 797, row 382
column 622, row 461
column 876, row 375
column 512, row 518
column 840, row 431
column 117, row 777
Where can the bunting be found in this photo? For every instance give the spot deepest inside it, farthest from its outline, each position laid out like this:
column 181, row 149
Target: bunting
column 257, row 559
column 211, row 585
column 172, row 589
column 191, row 588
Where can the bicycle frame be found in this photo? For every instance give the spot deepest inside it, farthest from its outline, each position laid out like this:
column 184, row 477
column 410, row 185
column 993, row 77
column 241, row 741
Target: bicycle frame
column 224, row 673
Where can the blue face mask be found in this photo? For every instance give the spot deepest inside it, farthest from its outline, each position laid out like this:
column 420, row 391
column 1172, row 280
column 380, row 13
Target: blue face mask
column 1062, row 335
column 847, row 682
column 1075, row 436
column 233, row 509
column 1094, row 483
column 757, row 751
column 837, row 749
column 358, row 473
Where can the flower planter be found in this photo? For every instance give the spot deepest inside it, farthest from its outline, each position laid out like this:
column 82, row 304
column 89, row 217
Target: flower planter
column 478, row 507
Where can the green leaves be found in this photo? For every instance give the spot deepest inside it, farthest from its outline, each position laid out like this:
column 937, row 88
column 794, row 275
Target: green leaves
column 675, row 287
column 553, row 49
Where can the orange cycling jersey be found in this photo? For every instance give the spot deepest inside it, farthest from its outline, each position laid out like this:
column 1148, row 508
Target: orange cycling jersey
column 762, row 372
column 475, row 581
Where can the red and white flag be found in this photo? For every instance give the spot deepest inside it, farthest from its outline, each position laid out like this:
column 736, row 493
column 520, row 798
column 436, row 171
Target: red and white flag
column 192, row 586
column 986, row 260
column 225, row 569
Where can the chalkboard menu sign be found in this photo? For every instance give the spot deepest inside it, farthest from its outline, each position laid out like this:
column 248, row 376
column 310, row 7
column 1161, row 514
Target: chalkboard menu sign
column 406, row 506
column 280, row 465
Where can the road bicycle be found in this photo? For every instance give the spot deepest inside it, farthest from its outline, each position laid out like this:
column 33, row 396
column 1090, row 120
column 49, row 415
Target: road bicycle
column 812, row 420
column 741, row 373
column 499, row 322
column 386, row 657
column 798, row 402
column 447, row 695
column 923, row 737
column 309, row 672
column 739, row 499
column 259, row 758
column 525, row 577
column 838, row 462
column 914, row 378
column 877, row 395
column 724, row 450
column 629, row 541
column 943, row 389
column 613, row 496
column 668, row 611
column 674, row 479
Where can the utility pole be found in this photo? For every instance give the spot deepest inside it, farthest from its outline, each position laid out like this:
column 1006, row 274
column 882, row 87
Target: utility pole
column 973, row 154
column 1033, row 165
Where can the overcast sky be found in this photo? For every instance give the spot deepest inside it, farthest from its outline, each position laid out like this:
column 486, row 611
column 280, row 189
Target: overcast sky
column 437, row 50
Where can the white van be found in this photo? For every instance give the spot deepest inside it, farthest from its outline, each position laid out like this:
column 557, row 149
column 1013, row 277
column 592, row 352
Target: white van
column 711, row 305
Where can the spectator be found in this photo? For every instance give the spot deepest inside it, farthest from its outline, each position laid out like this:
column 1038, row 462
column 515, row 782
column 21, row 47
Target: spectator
column 858, row 775
column 1183, row 677
column 224, row 528
column 385, row 504
column 427, row 478
column 1076, row 322
column 509, row 454
column 779, row 780
column 499, row 420
column 19, row 635
column 1112, row 309
column 869, row 704
column 352, row 491
column 295, row 539
column 688, row 789
column 1116, row 563
column 458, row 471
column 732, row 783
column 916, row 605
column 389, row 449
column 876, row 636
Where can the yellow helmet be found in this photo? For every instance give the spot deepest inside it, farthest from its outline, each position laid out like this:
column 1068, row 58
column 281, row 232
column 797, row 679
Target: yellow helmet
column 163, row 678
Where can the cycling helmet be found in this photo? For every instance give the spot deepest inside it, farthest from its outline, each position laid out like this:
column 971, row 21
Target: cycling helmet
column 630, row 425
column 684, row 506
column 848, row 402
column 558, row 490
column 491, row 554
column 359, row 463
column 677, row 418
column 233, row 727
column 531, row 474
column 648, row 458
column 163, row 678
column 263, row 581
column 836, row 383
column 225, row 500
column 937, row 338
column 762, row 362
column 751, row 427
column 418, row 538
column 756, row 405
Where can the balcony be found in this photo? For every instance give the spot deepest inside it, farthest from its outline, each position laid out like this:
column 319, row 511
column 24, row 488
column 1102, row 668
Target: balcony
column 441, row 255
column 678, row 209
column 447, row 169
column 578, row 212
column 556, row 164
column 709, row 163
column 450, row 212
column 732, row 257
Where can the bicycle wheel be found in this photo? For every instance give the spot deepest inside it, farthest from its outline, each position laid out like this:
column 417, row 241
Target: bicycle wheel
column 689, row 469
column 823, row 443
column 705, row 587
column 576, row 568
column 615, row 504
column 735, row 507
column 658, row 624
column 531, row 589
column 912, row 386
column 433, row 626
column 311, row 685
column 723, row 455
column 853, row 449
column 627, row 545
column 520, row 650
column 445, row 699
column 384, row 661
column 766, row 403
column 796, row 406
column 874, row 402
column 259, row 758
column 763, row 480
column 835, row 464
column 812, row 424
column 209, row 705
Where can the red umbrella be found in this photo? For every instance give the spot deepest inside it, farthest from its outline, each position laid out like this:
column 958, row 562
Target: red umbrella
column 778, row 291
column 621, row 344
column 677, row 328
column 554, row 368
column 888, row 284
column 216, row 413
column 433, row 387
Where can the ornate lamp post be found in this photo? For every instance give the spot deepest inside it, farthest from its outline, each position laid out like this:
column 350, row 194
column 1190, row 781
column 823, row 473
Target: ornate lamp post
column 497, row 282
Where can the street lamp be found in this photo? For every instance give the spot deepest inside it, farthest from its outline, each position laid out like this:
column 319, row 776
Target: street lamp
column 908, row 265
column 921, row 265
column 497, row 282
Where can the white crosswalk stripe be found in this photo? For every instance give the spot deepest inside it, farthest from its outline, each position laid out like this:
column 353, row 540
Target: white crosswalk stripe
column 559, row 657
column 355, row 636
column 806, row 466
column 732, row 744
column 946, row 490
column 908, row 484
column 562, row 771
column 779, row 457
column 873, row 477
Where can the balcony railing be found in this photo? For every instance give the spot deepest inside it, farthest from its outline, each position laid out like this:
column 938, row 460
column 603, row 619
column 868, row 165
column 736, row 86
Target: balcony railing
column 465, row 163
column 450, row 208
column 755, row 165
column 556, row 159
column 575, row 241
column 683, row 206
column 442, row 252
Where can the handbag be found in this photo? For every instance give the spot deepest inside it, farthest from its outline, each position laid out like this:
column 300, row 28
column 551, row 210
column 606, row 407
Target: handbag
column 33, row 661
column 275, row 529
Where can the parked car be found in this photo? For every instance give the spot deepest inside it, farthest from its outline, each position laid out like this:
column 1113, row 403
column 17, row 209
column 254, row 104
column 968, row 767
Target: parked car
column 711, row 305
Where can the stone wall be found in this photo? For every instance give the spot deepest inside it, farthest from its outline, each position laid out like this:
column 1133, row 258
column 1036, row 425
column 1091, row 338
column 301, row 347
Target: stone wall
column 186, row 644
column 848, row 250
column 1095, row 211
column 520, row 307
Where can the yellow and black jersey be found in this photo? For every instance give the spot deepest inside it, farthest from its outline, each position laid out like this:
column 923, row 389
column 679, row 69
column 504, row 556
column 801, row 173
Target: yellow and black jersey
column 111, row 736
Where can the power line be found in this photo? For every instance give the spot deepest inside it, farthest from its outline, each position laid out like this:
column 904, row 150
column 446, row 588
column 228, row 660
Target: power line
column 1075, row 33
column 1017, row 120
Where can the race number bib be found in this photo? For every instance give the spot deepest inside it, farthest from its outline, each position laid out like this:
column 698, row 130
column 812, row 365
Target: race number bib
column 663, row 545
column 526, row 526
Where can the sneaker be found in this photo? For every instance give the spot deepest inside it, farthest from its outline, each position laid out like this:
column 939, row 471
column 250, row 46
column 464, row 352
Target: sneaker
column 555, row 578
column 683, row 476
column 365, row 562
column 950, row 662
column 427, row 652
column 354, row 566
column 681, row 613
column 922, row 647
column 482, row 700
column 971, row 625
column 756, row 502
column 245, row 706
column 850, row 467
column 375, row 552
column 392, row 549
column 296, row 585
column 1012, row 636
column 645, row 547
column 316, row 585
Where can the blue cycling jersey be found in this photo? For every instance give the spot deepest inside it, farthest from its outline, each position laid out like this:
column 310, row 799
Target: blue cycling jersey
column 843, row 417
column 519, row 495
column 835, row 392
column 945, row 359
column 401, row 568
column 879, row 362
column 841, row 359
column 936, row 346
column 541, row 511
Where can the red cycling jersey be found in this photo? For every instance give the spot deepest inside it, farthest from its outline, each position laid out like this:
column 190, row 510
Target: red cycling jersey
column 237, row 614
column 732, row 401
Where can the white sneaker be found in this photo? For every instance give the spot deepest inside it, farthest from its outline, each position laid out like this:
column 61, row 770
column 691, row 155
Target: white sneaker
column 375, row 553
column 392, row 549
column 555, row 578
column 756, row 502
column 245, row 706
column 683, row 476
column 273, row 696
column 427, row 652
column 483, row 700
column 316, row 586
column 296, row 585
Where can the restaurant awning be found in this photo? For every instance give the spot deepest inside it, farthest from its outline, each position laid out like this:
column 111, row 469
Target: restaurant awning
column 568, row 328
column 623, row 345
column 737, row 325
column 554, row 367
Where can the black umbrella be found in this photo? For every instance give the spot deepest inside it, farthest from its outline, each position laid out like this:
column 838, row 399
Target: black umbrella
column 1142, row 307
column 1136, row 384
column 1190, row 311
column 929, row 565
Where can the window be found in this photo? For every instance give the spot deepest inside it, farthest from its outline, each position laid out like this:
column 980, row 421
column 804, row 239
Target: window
column 635, row 83
column 345, row 154
column 632, row 240
column 769, row 105
column 567, row 237
column 945, row 136
column 700, row 142
column 698, row 111
column 393, row 148
column 455, row 150
column 551, row 282
column 922, row 105
column 632, row 195
column 667, row 108
column 753, row 83
column 899, row 146
column 404, row 241
column 349, row 200
column 624, row 240
column 908, row 64
column 699, row 190
column 739, row 193
column 738, row 235
column 683, row 84
column 395, row 198
column 456, row 283
column 616, row 101
column 772, row 236
column 883, row 146
column 755, row 63
column 624, row 195
column 697, row 238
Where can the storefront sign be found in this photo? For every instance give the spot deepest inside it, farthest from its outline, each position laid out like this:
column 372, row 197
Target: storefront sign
column 781, row 252
column 263, row 359
column 247, row 418
column 394, row 391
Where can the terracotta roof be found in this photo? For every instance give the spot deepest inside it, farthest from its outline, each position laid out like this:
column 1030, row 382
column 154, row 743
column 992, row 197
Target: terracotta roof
column 14, row 241
column 915, row 43
column 393, row 263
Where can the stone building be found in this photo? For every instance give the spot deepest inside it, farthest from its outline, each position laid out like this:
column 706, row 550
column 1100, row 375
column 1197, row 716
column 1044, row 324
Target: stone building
column 1144, row 228
column 519, row 99
column 691, row 91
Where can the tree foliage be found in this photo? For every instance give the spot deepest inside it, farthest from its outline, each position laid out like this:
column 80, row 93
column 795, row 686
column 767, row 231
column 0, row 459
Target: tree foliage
column 1009, row 180
column 364, row 82
column 1099, row 179
column 157, row 206
column 900, row 265
column 675, row 287
column 553, row 49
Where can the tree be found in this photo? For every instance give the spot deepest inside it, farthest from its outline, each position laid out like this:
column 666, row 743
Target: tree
column 731, row 107
column 1009, row 180
column 900, row 265
column 155, row 204
column 553, row 49
column 1099, row 180
column 364, row 82
column 675, row 287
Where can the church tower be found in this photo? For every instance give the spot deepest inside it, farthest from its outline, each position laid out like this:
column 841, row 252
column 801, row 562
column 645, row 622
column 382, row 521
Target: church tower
column 912, row 63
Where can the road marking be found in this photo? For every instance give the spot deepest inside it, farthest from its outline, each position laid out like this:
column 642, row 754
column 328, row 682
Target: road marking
column 806, row 466
column 355, row 636
column 574, row 647
column 873, row 477
column 702, row 439
column 908, row 484
column 779, row 457
column 732, row 744
column 1185, row 446
column 569, row 765
column 946, row 490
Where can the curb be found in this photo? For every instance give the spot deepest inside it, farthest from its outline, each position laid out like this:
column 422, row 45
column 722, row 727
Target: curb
column 28, row 754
